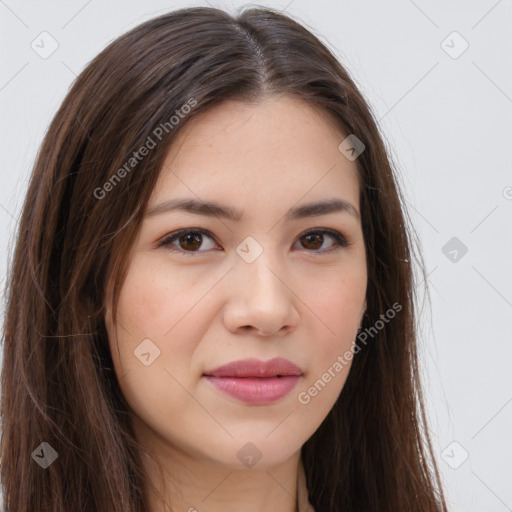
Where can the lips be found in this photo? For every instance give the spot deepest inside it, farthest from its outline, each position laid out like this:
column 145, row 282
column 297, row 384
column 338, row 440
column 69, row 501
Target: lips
column 256, row 368
column 255, row 382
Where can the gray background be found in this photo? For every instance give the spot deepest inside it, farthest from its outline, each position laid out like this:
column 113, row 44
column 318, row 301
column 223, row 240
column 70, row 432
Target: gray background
column 446, row 117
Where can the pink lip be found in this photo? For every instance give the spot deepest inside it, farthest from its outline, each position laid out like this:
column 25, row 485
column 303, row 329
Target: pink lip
column 256, row 382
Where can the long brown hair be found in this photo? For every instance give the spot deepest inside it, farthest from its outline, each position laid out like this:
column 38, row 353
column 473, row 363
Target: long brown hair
column 79, row 221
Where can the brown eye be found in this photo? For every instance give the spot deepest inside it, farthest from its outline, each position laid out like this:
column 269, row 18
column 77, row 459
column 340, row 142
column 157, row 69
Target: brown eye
column 188, row 241
column 314, row 240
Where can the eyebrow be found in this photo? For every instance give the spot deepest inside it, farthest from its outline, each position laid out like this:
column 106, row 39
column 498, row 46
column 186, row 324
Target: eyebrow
column 213, row 209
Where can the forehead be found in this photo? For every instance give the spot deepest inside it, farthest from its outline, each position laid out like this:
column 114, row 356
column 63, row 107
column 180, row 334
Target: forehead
column 278, row 146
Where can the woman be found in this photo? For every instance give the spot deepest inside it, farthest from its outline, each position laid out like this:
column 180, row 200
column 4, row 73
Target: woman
column 211, row 300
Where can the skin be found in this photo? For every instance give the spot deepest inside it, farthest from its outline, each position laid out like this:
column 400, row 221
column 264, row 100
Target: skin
column 211, row 308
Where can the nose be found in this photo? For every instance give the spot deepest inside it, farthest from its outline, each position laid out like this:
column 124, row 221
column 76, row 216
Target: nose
column 261, row 298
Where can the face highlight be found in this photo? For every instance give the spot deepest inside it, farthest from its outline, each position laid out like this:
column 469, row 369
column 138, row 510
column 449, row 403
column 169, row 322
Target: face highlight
column 251, row 250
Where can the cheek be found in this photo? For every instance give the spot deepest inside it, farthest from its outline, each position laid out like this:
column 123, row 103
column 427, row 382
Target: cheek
column 148, row 303
column 338, row 304
column 153, row 343
column 159, row 305
column 153, row 339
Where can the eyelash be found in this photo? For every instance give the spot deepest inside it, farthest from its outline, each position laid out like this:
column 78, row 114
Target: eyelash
column 340, row 241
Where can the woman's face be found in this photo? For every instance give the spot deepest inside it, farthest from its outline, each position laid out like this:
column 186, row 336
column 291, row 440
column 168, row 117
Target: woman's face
column 259, row 277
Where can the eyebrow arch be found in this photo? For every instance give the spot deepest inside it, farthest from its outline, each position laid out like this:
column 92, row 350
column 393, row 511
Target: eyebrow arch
column 214, row 209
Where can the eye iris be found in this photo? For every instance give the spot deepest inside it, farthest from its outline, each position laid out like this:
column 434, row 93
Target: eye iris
column 310, row 240
column 190, row 238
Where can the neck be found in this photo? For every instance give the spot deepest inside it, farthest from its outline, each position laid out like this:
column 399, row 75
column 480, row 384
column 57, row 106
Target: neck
column 179, row 481
column 195, row 485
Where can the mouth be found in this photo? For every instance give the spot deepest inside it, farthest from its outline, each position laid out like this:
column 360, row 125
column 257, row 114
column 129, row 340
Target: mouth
column 255, row 382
